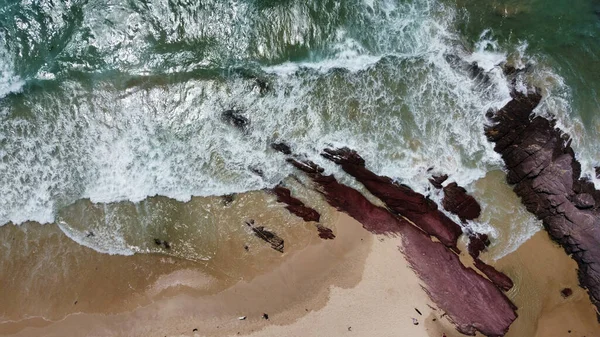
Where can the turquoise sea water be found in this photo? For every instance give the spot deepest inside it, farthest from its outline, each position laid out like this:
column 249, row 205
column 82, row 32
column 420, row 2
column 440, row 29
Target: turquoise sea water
column 116, row 101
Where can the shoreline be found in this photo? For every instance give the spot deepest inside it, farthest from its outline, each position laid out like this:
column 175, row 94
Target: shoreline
column 358, row 281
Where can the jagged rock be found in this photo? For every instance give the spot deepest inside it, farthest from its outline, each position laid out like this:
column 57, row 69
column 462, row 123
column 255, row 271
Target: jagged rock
column 236, row 118
column 457, row 201
column 282, row 147
column 437, row 181
column 399, row 198
column 584, row 201
column 542, row 166
column 472, row 302
column 477, row 243
column 275, row 241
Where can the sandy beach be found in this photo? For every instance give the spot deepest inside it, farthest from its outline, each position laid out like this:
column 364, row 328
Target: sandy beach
column 355, row 285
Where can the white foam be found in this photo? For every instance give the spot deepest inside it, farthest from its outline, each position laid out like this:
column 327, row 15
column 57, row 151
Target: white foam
column 398, row 102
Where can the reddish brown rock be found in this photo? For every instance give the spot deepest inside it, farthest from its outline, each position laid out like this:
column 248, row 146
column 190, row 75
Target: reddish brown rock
column 295, row 206
column 298, row 208
column 500, row 279
column 542, row 166
column 437, row 181
column 566, row 292
column 457, row 201
column 471, row 301
column 325, row 233
column 477, row 243
column 400, row 199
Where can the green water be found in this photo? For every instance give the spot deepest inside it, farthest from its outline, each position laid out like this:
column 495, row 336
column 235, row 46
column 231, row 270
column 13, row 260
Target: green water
column 564, row 35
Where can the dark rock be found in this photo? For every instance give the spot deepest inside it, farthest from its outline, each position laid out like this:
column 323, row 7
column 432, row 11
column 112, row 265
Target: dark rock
column 400, row 199
column 542, row 166
column 472, row 302
column 228, row 199
column 584, row 201
column 473, row 70
column 236, row 118
column 566, row 292
column 295, row 206
column 325, row 233
column 263, row 86
column 437, row 181
column 477, row 243
column 275, row 241
column 457, row 201
column 282, row 147
column 259, row 172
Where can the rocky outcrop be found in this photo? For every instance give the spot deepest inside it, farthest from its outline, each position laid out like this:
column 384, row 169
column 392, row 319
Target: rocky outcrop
column 400, row 199
column 457, row 201
column 542, row 167
column 471, row 301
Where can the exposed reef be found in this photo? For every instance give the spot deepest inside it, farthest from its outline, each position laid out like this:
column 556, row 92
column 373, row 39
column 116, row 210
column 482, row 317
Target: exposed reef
column 542, row 167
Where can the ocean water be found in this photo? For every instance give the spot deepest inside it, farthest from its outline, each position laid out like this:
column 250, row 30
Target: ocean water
column 106, row 103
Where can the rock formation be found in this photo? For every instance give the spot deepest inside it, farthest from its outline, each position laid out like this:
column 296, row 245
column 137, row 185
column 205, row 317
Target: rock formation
column 457, row 201
column 400, row 199
column 542, row 167
column 471, row 301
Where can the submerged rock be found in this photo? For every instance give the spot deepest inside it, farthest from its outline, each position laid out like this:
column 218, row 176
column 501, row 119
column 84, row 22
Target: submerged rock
column 298, row 208
column 275, row 241
column 472, row 302
column 542, row 166
column 295, row 206
column 282, row 147
column 236, row 118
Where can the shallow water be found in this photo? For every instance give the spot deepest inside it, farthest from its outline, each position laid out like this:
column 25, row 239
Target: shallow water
column 108, row 103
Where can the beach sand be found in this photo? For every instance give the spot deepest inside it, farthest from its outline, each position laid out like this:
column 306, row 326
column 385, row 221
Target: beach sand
column 355, row 285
